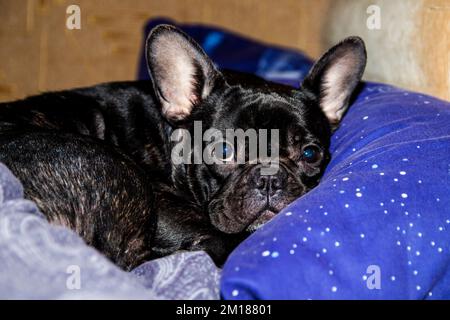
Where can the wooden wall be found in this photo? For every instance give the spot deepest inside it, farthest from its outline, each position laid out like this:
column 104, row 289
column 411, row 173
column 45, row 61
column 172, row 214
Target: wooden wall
column 38, row 53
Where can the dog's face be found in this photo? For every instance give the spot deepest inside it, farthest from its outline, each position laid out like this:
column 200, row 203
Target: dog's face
column 244, row 189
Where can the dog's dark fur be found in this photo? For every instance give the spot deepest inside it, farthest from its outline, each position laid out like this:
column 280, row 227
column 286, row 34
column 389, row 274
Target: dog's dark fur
column 98, row 159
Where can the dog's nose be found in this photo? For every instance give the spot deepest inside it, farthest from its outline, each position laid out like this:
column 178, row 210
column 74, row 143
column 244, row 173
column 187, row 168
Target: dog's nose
column 270, row 184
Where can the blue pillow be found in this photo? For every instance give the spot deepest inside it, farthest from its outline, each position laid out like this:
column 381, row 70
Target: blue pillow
column 378, row 224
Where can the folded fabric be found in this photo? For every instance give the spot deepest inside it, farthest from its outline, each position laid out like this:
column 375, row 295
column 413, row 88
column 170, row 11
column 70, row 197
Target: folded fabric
column 378, row 224
column 42, row 261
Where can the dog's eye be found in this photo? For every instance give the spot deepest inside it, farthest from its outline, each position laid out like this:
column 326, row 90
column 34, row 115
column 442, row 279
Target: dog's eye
column 227, row 151
column 311, row 154
column 224, row 151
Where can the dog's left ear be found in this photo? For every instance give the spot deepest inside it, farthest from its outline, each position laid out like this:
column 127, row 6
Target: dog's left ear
column 335, row 76
column 182, row 73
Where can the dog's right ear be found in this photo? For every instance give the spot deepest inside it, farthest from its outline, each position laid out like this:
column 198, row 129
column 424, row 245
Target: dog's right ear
column 334, row 77
column 182, row 73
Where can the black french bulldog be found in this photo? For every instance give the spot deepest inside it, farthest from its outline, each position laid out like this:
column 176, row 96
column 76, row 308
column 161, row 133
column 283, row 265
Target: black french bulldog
column 98, row 159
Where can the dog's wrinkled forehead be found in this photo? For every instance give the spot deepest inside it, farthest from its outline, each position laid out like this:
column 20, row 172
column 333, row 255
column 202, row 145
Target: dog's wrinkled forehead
column 253, row 109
